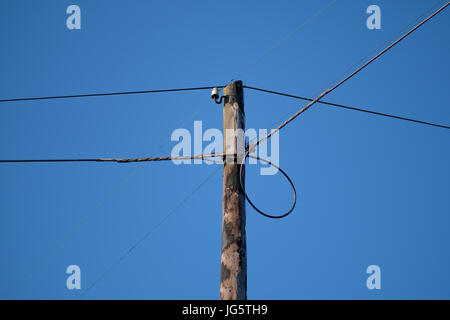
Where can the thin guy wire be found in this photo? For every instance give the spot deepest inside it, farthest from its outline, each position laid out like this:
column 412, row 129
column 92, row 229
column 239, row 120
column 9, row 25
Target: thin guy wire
column 326, row 92
column 279, row 43
column 85, row 218
column 150, row 231
column 381, row 45
column 365, row 57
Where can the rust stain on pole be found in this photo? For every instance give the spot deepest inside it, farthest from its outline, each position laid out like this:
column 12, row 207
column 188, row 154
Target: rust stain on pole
column 233, row 275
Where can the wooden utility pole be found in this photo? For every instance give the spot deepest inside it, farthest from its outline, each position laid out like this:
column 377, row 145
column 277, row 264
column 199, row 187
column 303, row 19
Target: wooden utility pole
column 233, row 273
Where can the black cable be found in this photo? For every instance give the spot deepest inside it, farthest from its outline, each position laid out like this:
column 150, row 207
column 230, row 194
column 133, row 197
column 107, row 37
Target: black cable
column 108, row 94
column 328, row 91
column 53, row 160
column 120, row 160
column 350, row 108
column 86, row 217
column 247, row 155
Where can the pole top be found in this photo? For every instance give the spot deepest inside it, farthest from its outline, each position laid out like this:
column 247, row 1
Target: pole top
column 234, row 92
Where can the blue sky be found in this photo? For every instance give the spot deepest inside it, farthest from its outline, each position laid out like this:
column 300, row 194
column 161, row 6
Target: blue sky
column 371, row 190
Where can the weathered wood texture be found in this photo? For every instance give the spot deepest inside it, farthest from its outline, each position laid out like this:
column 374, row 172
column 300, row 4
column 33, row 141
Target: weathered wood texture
column 233, row 275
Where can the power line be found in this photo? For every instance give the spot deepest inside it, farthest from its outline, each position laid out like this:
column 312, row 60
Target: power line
column 350, row 108
column 119, row 160
column 122, row 183
column 108, row 94
column 202, row 156
column 409, row 25
column 369, row 54
column 326, row 92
